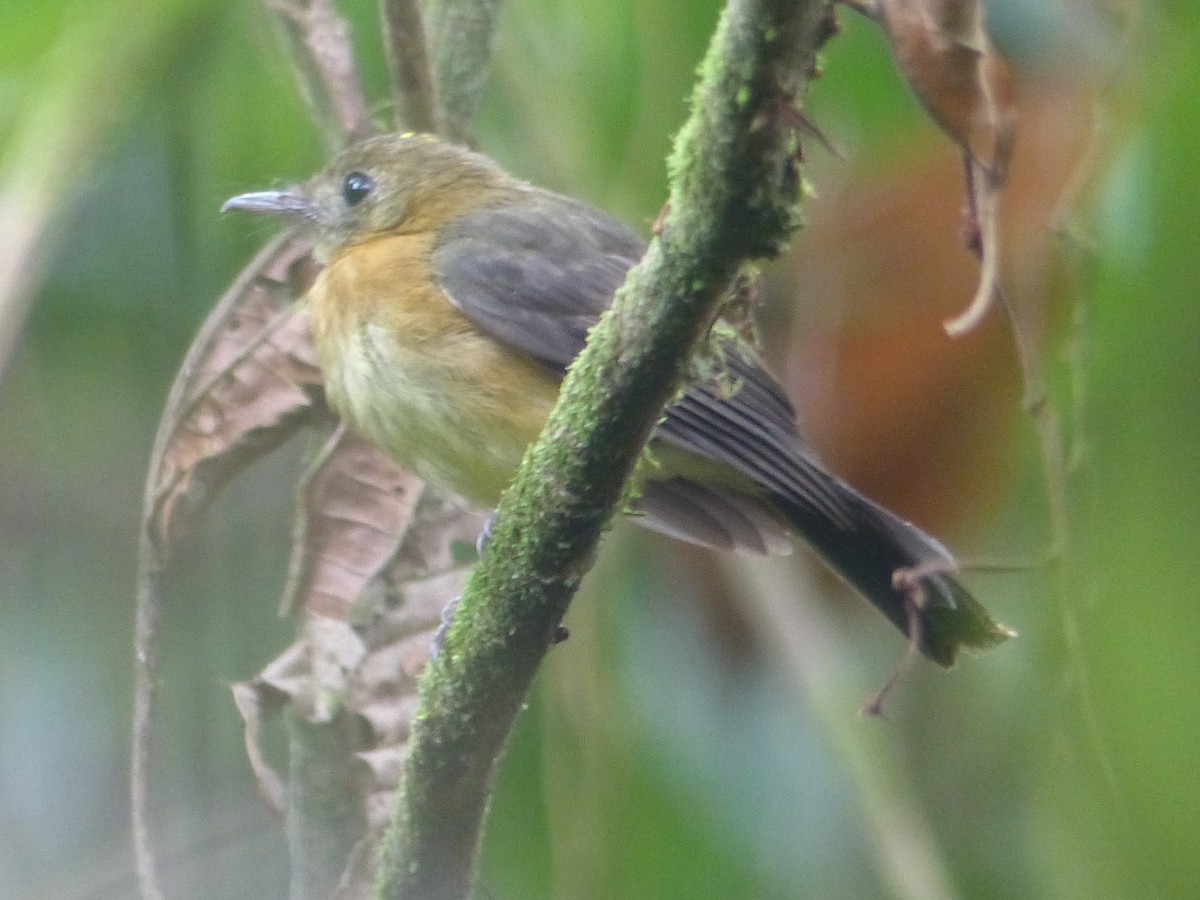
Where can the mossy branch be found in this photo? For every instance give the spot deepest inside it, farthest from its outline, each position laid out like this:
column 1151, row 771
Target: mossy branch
column 735, row 184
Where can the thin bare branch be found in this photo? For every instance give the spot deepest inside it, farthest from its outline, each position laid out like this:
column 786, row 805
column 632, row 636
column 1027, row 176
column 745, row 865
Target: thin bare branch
column 348, row 694
column 408, row 62
column 318, row 43
column 149, row 609
column 327, row 816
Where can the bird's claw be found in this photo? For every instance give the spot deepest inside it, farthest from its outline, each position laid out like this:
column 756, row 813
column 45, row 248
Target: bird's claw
column 439, row 636
column 485, row 535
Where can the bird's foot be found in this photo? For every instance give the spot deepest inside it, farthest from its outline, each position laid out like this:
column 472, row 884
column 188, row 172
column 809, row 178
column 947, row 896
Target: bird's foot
column 439, row 636
column 485, row 535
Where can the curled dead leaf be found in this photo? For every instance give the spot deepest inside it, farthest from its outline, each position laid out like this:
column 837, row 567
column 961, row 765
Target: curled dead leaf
column 248, row 383
column 355, row 509
column 983, row 239
column 944, row 53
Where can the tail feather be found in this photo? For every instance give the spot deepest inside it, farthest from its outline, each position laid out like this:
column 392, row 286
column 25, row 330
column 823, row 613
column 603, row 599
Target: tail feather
column 872, row 549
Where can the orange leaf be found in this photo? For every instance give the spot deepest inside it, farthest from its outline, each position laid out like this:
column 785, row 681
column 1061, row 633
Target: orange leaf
column 956, row 72
column 960, row 78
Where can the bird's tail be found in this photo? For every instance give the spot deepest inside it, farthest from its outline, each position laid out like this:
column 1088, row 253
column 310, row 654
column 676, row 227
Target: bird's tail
column 900, row 569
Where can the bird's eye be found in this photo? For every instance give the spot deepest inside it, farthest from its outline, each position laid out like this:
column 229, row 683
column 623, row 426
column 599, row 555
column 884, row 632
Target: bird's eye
column 355, row 188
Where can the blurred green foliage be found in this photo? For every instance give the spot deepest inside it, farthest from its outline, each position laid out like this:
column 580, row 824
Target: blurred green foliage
column 660, row 757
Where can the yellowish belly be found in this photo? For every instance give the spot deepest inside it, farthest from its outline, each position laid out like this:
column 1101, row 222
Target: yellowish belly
column 411, row 374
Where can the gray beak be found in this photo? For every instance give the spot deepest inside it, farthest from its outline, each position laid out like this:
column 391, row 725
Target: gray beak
column 278, row 203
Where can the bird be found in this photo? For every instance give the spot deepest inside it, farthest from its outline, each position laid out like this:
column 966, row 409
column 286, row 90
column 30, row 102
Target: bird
column 453, row 297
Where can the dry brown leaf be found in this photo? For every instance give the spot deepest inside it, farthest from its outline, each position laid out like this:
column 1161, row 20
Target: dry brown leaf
column 368, row 670
column 370, row 667
column 248, row 382
column 945, row 55
column 983, row 238
column 355, row 508
column 956, row 72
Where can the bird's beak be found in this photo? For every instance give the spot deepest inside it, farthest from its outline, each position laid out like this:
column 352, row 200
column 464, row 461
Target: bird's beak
column 279, row 203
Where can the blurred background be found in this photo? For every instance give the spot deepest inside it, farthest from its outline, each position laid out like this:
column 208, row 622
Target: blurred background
column 699, row 735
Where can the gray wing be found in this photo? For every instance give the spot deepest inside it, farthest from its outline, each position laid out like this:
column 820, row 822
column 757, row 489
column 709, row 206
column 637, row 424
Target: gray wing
column 537, row 275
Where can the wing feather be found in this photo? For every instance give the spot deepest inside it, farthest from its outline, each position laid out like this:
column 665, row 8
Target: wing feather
column 533, row 277
column 538, row 273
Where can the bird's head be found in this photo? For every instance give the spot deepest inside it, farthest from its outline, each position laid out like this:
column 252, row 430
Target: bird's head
column 393, row 183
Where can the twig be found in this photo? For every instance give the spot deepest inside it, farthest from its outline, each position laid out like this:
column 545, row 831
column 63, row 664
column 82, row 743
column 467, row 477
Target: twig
column 326, row 815
column 909, row 581
column 408, row 62
column 318, row 43
column 146, row 641
column 1072, row 450
column 734, row 188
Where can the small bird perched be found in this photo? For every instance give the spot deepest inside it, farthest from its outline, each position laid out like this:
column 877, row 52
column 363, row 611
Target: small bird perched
column 454, row 296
